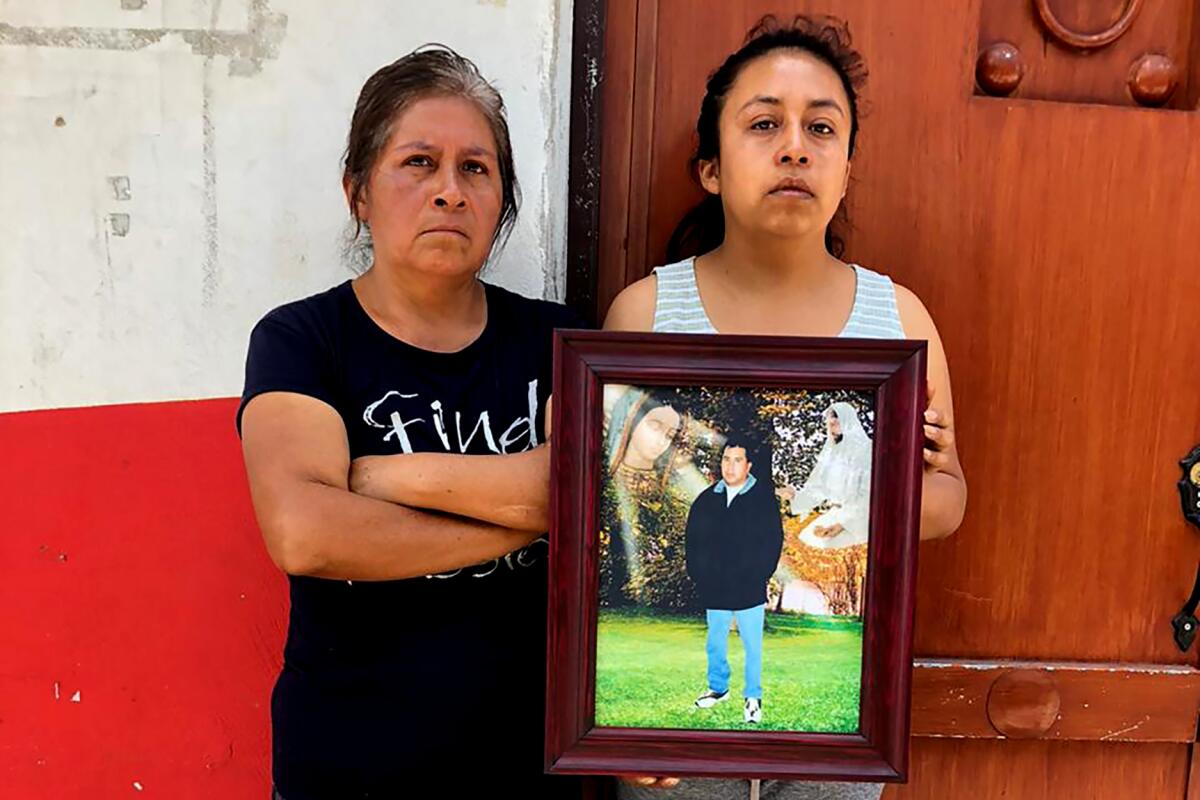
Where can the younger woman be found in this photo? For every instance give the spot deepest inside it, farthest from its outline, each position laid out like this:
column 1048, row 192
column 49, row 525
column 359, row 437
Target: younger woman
column 777, row 131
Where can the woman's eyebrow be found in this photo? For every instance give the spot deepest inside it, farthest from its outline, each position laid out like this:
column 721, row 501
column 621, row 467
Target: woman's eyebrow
column 769, row 100
column 762, row 98
column 418, row 144
column 828, row 102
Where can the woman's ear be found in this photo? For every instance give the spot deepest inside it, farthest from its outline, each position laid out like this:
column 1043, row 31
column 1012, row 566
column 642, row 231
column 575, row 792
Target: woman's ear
column 710, row 176
column 846, row 180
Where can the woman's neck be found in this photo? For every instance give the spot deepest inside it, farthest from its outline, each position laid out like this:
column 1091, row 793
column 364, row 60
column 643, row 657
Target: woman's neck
column 762, row 284
column 433, row 312
column 774, row 263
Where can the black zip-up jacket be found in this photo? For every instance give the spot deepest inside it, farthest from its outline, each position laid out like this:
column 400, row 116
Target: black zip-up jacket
column 733, row 551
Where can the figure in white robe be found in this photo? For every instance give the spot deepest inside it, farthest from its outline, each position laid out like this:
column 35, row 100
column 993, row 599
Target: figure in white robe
column 839, row 487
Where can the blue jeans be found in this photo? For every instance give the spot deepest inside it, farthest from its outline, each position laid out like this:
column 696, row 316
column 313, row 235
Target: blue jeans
column 750, row 629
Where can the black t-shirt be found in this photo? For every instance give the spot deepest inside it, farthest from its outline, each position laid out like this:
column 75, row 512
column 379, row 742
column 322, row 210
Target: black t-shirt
column 438, row 679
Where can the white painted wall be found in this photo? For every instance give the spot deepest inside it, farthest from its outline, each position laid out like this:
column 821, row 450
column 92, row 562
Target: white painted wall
column 228, row 119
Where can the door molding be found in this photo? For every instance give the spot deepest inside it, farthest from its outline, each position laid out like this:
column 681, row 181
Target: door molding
column 1096, row 701
column 583, row 181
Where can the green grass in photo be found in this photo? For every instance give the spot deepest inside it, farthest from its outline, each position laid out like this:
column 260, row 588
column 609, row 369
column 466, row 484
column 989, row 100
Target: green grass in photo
column 651, row 666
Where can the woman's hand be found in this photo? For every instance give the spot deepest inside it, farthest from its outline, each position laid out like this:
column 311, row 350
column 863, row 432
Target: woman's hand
column 944, row 490
column 650, row 781
column 939, row 439
column 786, row 492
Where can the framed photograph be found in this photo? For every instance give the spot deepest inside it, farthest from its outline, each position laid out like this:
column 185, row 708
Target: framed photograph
column 733, row 554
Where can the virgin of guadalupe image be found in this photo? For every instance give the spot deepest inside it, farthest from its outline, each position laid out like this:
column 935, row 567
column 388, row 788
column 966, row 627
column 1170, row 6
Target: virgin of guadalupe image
column 649, row 484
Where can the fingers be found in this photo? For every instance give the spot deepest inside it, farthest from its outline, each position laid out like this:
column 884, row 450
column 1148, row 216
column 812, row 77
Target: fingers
column 943, row 438
column 939, row 439
column 936, row 459
column 650, row 780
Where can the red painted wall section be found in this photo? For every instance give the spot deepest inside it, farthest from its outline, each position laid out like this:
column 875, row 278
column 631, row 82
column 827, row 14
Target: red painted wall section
column 142, row 620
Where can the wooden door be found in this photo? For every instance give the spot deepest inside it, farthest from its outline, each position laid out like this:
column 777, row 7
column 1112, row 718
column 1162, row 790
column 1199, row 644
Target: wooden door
column 1054, row 234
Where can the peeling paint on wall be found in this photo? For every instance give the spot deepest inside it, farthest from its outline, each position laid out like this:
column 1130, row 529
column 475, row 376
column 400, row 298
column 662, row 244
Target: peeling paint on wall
column 210, row 275
column 119, row 224
column 246, row 49
column 554, row 97
column 120, row 187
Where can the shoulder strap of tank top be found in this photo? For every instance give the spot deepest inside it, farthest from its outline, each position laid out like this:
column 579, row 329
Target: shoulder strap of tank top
column 875, row 314
column 677, row 306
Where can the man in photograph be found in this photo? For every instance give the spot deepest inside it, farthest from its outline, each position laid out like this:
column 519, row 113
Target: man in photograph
column 734, row 538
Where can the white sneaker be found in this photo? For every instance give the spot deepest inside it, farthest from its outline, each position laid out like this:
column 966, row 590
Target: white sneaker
column 711, row 698
column 753, row 711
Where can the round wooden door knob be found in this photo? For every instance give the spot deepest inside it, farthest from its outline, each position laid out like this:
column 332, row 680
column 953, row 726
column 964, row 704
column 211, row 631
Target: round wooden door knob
column 999, row 69
column 1153, row 78
column 1023, row 704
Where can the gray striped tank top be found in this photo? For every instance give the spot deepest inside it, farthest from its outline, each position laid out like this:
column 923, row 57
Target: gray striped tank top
column 677, row 309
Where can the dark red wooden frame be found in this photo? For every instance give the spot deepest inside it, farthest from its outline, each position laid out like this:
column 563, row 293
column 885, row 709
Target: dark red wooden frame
column 586, row 360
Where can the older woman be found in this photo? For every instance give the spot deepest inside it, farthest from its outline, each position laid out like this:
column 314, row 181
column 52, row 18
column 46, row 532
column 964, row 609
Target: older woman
column 415, row 648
